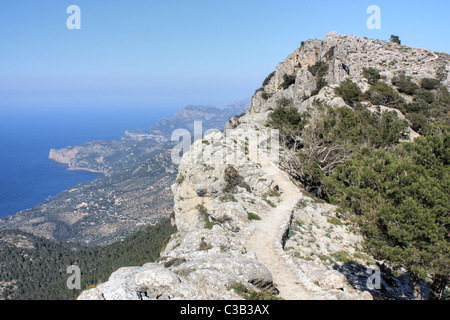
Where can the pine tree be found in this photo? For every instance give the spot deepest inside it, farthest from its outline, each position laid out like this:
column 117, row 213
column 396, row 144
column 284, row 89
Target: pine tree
column 402, row 204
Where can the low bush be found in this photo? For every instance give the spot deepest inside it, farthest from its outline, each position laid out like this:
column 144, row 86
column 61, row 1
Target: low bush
column 266, row 96
column 319, row 69
column 404, row 84
column 395, row 39
column 253, row 216
column 335, row 221
column 430, row 83
column 372, row 75
column 320, row 84
column 382, row 94
column 349, row 91
column 284, row 102
column 247, row 294
column 343, row 257
column 267, row 80
column 424, row 95
column 289, row 80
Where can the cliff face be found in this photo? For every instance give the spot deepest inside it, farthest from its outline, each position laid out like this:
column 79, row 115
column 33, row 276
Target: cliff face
column 240, row 218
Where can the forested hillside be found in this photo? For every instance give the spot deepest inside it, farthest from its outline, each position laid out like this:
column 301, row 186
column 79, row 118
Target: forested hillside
column 34, row 268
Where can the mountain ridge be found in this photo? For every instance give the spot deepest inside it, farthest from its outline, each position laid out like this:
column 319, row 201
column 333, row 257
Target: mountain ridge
column 219, row 205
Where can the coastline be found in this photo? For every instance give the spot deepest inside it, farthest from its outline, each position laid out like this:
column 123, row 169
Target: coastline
column 66, row 156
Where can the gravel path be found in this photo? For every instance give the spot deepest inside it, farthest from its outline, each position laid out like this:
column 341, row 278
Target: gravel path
column 266, row 240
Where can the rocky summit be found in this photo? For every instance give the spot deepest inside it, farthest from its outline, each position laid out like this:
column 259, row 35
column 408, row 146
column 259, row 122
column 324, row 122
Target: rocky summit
column 245, row 227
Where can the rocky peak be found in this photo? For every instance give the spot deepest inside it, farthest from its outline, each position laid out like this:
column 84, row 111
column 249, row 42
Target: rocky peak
column 345, row 56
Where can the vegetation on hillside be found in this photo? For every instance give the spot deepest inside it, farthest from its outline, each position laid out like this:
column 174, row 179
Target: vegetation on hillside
column 400, row 200
column 323, row 137
column 395, row 39
column 395, row 191
column 38, row 271
column 319, row 71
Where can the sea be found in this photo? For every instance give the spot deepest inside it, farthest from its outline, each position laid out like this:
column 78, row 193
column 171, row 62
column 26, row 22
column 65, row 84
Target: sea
column 27, row 133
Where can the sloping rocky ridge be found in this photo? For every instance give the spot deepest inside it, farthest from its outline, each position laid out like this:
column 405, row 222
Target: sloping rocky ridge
column 219, row 244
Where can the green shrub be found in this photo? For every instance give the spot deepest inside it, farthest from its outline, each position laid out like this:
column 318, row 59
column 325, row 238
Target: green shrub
column 424, row 95
column 349, row 91
column 330, row 53
column 319, row 69
column 274, row 192
column 320, row 84
column 267, row 80
column 395, row 39
column 270, row 203
column 324, row 257
column 285, row 119
column 335, row 221
column 331, row 137
column 289, row 80
column 382, row 94
column 203, row 213
column 209, row 225
column 343, row 257
column 430, row 83
column 284, row 102
column 165, row 243
column 248, row 294
column 253, row 216
column 419, row 122
column 180, row 179
column 258, row 90
column 392, row 128
column 289, row 123
column 404, row 84
column 417, row 107
column 235, row 229
column 266, row 96
column 372, row 75
column 228, row 198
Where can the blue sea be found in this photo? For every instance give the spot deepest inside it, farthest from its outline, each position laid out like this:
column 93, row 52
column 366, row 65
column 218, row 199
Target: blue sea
column 27, row 176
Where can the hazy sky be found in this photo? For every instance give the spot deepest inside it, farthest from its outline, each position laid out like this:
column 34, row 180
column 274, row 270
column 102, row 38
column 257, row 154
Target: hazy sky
column 143, row 52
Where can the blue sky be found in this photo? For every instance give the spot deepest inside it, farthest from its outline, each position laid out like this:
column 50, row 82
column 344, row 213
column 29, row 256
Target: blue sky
column 143, row 52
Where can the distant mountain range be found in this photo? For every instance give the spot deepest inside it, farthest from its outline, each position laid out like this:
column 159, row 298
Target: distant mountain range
column 212, row 117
